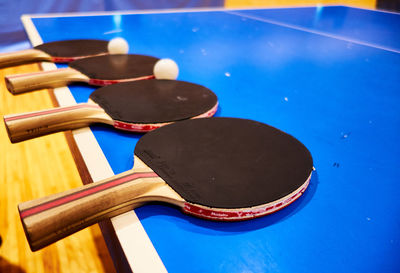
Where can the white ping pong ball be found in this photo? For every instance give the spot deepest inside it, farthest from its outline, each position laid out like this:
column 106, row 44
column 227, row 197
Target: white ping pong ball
column 166, row 69
column 118, row 46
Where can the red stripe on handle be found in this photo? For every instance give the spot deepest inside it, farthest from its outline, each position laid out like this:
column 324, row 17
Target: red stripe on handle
column 24, row 75
column 51, row 111
column 77, row 195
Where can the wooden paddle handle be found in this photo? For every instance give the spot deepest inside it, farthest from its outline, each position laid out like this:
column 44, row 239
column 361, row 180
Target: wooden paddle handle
column 22, row 57
column 25, row 126
column 45, row 79
column 49, row 219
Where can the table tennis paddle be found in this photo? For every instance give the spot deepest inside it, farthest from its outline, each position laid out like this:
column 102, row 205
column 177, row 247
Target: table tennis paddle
column 138, row 106
column 223, row 169
column 58, row 52
column 99, row 70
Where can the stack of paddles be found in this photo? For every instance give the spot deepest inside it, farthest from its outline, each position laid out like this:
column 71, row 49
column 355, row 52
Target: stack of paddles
column 218, row 168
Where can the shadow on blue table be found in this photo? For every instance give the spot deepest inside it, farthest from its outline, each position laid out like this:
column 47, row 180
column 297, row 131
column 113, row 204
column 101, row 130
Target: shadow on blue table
column 165, row 210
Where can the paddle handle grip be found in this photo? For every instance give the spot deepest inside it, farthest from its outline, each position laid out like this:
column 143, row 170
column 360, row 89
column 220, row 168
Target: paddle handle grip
column 49, row 219
column 23, row 57
column 26, row 126
column 21, row 83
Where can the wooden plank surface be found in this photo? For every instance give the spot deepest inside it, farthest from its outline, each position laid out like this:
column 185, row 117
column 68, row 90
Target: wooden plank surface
column 34, row 169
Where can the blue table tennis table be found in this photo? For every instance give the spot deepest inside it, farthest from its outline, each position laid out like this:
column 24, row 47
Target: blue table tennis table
column 329, row 76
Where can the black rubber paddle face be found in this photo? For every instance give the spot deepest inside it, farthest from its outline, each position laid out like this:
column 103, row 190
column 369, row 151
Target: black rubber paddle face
column 115, row 66
column 74, row 48
column 226, row 162
column 154, row 101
